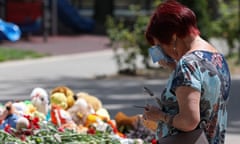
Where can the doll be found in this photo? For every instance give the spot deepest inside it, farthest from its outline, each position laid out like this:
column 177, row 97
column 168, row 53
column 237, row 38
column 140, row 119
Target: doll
column 8, row 116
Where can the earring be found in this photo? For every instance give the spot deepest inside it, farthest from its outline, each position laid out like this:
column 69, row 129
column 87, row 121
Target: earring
column 174, row 47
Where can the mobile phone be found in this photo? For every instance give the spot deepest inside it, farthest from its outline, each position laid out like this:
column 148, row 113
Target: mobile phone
column 157, row 54
column 151, row 94
column 143, row 107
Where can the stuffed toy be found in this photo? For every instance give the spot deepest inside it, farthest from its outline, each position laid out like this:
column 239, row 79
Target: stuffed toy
column 68, row 94
column 39, row 98
column 92, row 119
column 2, row 108
column 33, row 112
column 8, row 117
column 102, row 124
column 126, row 122
column 27, row 108
column 91, row 100
column 59, row 99
column 152, row 125
column 103, row 113
column 59, row 116
column 20, row 108
column 80, row 110
column 22, row 123
column 14, row 117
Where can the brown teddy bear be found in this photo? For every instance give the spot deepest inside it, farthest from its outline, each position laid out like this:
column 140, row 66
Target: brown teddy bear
column 130, row 122
column 126, row 122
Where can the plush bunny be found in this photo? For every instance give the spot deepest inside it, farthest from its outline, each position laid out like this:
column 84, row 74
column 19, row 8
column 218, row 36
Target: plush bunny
column 39, row 99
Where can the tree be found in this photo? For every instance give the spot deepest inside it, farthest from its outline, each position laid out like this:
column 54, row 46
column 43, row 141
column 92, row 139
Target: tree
column 223, row 22
column 201, row 10
column 129, row 34
column 226, row 25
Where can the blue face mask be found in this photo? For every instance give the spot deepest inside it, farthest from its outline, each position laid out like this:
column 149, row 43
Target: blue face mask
column 157, row 55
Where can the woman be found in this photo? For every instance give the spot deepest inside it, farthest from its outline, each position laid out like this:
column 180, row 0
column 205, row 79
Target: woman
column 198, row 88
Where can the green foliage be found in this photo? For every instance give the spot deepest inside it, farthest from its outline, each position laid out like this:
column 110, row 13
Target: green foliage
column 49, row 134
column 129, row 35
column 227, row 25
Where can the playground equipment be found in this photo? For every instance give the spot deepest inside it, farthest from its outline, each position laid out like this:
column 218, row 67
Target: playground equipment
column 70, row 16
column 27, row 15
column 9, row 31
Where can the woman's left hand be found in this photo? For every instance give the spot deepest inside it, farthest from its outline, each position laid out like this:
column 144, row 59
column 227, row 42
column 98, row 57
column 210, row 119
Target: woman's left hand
column 153, row 113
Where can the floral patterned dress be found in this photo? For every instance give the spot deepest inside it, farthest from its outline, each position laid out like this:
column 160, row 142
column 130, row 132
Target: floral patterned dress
column 208, row 73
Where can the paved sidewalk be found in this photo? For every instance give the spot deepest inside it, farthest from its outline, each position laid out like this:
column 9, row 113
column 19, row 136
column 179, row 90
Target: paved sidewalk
column 76, row 69
column 62, row 45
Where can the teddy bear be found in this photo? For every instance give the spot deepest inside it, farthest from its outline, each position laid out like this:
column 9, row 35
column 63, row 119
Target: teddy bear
column 69, row 94
column 95, row 103
column 126, row 122
column 39, row 99
column 80, row 110
column 90, row 99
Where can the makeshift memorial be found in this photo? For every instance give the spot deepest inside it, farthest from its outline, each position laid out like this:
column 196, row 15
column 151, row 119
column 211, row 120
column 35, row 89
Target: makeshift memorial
column 85, row 121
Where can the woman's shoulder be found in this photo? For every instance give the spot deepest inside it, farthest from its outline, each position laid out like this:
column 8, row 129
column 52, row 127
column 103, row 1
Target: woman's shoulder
column 203, row 60
column 202, row 55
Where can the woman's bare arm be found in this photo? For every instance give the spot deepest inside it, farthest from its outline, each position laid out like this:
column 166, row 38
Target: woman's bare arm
column 188, row 117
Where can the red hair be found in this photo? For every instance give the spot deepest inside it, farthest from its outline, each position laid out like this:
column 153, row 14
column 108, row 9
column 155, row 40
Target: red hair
column 169, row 18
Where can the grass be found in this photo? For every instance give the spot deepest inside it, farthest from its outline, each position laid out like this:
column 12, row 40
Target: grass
column 8, row 54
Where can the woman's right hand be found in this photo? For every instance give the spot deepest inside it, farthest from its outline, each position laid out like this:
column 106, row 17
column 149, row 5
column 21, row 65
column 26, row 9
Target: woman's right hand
column 153, row 113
